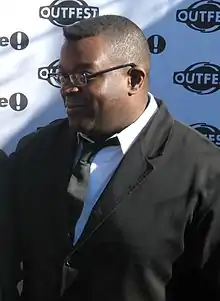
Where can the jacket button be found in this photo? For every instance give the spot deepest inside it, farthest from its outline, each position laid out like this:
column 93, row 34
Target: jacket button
column 68, row 262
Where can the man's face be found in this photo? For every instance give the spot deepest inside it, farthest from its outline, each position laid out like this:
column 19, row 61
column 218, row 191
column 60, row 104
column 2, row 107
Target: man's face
column 97, row 106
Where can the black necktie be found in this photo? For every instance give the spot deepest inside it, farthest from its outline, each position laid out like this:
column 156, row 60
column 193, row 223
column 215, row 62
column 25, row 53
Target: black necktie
column 80, row 176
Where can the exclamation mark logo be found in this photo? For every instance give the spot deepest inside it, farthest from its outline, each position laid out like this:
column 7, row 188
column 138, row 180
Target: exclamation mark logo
column 18, row 102
column 156, row 44
column 19, row 40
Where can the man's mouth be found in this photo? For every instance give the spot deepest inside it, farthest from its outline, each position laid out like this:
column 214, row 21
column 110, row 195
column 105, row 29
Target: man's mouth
column 74, row 106
column 73, row 103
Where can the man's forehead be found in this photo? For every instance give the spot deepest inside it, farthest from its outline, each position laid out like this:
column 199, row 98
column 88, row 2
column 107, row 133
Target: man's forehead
column 85, row 53
column 68, row 67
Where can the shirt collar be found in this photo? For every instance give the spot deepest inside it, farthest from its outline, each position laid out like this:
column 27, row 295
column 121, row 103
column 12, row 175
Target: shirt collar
column 127, row 136
column 130, row 133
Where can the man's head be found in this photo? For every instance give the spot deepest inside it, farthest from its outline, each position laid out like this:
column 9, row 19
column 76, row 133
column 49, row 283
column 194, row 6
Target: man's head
column 107, row 102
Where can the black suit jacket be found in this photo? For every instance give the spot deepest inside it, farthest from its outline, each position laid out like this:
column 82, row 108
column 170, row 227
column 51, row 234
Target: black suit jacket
column 152, row 236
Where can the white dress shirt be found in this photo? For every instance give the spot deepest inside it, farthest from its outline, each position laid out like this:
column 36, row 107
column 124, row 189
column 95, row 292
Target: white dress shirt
column 106, row 161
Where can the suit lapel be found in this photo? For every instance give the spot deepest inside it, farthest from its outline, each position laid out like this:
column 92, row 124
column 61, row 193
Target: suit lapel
column 131, row 172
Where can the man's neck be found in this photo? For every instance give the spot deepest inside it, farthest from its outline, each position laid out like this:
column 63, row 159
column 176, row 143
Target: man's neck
column 98, row 136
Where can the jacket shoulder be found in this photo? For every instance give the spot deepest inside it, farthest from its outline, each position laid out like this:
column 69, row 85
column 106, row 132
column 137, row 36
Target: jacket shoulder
column 195, row 147
column 193, row 138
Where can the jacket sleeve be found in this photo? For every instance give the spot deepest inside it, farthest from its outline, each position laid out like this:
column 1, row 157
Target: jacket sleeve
column 196, row 274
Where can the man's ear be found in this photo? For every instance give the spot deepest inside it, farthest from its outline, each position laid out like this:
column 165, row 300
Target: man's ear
column 136, row 79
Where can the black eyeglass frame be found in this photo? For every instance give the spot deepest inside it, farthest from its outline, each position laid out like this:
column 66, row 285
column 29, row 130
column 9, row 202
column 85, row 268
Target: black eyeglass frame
column 85, row 76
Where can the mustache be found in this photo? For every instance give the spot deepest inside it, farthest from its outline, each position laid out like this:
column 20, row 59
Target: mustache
column 70, row 97
column 65, row 96
column 72, row 101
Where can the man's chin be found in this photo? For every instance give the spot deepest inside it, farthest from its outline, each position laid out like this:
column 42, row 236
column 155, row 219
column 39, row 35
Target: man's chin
column 81, row 125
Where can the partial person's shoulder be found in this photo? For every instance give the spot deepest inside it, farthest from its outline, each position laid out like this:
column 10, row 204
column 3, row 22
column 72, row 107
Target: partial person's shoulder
column 3, row 161
column 42, row 134
column 3, row 156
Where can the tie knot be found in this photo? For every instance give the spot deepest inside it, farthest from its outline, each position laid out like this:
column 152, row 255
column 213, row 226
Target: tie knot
column 90, row 148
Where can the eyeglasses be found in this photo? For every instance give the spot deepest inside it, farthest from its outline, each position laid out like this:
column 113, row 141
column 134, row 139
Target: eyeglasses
column 82, row 79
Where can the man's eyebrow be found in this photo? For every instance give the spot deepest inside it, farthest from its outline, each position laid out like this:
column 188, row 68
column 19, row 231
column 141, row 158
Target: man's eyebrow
column 78, row 67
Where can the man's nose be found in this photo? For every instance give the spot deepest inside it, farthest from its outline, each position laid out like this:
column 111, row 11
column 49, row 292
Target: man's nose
column 68, row 90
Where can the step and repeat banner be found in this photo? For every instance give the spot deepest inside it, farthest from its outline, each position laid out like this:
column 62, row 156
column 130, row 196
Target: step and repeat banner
column 184, row 40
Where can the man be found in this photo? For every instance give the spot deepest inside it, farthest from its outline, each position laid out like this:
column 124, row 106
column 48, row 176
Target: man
column 140, row 221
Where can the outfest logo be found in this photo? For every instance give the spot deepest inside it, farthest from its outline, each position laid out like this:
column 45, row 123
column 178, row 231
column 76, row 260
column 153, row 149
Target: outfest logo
column 67, row 12
column 202, row 78
column 203, row 16
column 44, row 72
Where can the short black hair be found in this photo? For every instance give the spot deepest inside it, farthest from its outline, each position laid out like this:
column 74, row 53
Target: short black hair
column 128, row 40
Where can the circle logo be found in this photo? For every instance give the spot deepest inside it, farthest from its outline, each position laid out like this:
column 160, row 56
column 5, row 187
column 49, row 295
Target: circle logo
column 44, row 74
column 156, row 44
column 202, row 78
column 67, row 12
column 18, row 101
column 19, row 40
column 203, row 16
